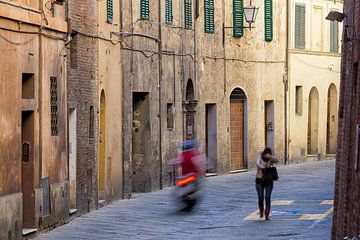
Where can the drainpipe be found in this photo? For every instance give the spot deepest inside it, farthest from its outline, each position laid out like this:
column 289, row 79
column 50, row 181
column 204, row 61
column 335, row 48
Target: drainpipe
column 159, row 87
column 286, row 85
column 121, row 15
column 122, row 104
column 40, row 68
column 224, row 48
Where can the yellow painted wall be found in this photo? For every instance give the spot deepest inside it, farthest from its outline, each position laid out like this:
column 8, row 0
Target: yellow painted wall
column 314, row 66
column 110, row 81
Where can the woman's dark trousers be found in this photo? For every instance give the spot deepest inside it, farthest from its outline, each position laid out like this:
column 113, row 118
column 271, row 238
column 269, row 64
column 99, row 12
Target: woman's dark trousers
column 266, row 187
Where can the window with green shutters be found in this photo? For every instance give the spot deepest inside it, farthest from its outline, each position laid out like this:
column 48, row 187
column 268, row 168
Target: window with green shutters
column 268, row 19
column 238, row 18
column 169, row 12
column 334, row 36
column 300, row 26
column 144, row 9
column 109, row 11
column 188, row 13
column 209, row 16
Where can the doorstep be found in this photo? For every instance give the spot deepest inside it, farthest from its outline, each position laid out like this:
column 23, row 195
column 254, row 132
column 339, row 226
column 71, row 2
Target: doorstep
column 211, row 174
column 101, row 203
column 28, row 231
column 72, row 211
column 239, row 171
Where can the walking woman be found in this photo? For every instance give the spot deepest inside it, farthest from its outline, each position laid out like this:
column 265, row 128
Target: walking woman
column 265, row 160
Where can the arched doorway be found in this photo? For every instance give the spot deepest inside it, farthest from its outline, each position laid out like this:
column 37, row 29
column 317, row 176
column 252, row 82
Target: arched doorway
column 190, row 110
column 313, row 122
column 237, row 129
column 101, row 157
column 331, row 126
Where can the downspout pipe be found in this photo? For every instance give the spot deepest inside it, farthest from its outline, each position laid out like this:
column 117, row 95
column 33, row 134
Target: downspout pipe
column 286, row 84
column 159, row 89
column 40, row 68
column 122, row 103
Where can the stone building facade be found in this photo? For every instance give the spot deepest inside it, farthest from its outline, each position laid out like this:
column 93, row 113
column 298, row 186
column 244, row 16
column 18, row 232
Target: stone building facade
column 157, row 63
column 314, row 78
column 240, row 84
column 346, row 220
column 179, row 75
column 34, row 186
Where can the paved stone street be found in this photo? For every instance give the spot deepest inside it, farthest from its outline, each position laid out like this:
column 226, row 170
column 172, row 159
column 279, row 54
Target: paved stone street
column 301, row 198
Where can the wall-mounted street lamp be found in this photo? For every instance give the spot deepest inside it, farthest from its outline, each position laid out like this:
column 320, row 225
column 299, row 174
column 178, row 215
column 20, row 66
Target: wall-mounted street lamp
column 339, row 17
column 250, row 13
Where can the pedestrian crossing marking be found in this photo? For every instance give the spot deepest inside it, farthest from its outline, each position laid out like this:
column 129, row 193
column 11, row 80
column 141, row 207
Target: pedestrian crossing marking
column 311, row 216
column 282, row 203
column 293, row 215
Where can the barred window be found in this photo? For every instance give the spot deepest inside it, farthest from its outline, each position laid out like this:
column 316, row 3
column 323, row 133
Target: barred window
column 54, row 106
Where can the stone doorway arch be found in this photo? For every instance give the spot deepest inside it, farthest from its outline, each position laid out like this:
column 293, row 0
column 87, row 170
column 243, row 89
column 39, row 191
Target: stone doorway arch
column 332, row 120
column 313, row 123
column 190, row 111
column 238, row 101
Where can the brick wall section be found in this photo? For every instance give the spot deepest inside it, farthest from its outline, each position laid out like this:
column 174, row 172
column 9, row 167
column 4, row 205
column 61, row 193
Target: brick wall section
column 83, row 93
column 346, row 221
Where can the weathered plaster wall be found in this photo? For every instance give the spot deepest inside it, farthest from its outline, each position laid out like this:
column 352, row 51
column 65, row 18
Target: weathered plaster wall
column 249, row 61
column 314, row 66
column 110, row 81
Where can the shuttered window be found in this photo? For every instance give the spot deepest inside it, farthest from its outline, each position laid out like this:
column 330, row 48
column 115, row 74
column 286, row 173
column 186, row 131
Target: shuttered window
column 169, row 12
column 334, row 36
column 109, row 11
column 268, row 19
column 238, row 18
column 144, row 9
column 188, row 13
column 209, row 16
column 300, row 26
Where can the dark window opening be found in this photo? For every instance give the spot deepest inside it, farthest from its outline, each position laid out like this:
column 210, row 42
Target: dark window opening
column 91, row 122
column 28, row 86
column 170, row 116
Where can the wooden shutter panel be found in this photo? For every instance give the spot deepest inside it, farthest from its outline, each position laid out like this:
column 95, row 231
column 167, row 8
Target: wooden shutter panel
column 144, row 9
column 188, row 13
column 238, row 18
column 299, row 26
column 169, row 11
column 268, row 15
column 109, row 11
column 209, row 16
column 334, row 36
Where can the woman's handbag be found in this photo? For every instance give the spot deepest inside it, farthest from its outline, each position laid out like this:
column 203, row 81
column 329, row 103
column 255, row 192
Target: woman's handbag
column 270, row 174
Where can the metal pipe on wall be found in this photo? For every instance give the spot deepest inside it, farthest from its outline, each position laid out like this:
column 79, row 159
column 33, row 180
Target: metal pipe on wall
column 286, row 84
column 159, row 89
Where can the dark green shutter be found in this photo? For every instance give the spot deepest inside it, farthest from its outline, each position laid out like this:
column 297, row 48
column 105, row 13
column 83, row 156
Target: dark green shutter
column 188, row 13
column 334, row 36
column 238, row 18
column 209, row 16
column 144, row 9
column 299, row 26
column 169, row 12
column 109, row 11
column 268, row 19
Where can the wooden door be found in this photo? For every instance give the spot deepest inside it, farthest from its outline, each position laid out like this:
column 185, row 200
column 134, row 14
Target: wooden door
column 27, row 169
column 236, row 135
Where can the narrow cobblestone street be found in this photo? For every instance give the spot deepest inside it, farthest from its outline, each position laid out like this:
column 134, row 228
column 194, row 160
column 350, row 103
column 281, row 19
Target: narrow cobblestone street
column 302, row 209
